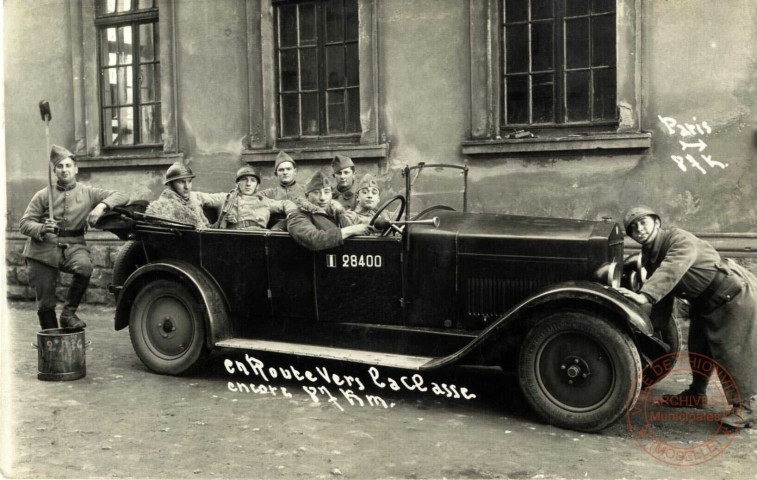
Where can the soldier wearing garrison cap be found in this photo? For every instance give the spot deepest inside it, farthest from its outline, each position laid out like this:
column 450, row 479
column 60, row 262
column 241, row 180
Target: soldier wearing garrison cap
column 346, row 187
column 246, row 210
column 179, row 203
column 320, row 221
column 285, row 170
column 368, row 199
column 58, row 244
column 723, row 306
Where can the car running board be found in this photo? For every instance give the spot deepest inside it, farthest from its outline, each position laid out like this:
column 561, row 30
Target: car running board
column 344, row 354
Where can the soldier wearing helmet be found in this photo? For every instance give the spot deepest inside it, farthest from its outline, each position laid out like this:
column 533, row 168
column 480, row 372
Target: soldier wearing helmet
column 179, row 203
column 723, row 305
column 58, row 243
column 245, row 209
column 320, row 222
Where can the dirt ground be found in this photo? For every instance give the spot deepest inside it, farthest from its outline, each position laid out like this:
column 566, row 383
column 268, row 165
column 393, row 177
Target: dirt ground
column 123, row 421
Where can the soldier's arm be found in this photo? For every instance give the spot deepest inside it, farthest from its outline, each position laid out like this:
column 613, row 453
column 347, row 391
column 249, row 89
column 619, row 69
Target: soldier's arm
column 282, row 207
column 111, row 198
column 32, row 222
column 678, row 259
column 213, row 200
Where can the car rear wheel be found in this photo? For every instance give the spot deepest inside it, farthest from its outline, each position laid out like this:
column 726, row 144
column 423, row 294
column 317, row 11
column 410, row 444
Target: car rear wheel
column 578, row 371
column 167, row 328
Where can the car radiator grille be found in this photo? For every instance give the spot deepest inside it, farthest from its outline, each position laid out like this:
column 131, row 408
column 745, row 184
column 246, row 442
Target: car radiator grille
column 494, row 296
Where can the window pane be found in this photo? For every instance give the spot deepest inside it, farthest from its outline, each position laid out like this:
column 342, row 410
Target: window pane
column 577, row 92
column 147, row 84
column 145, row 4
column 517, row 99
column 604, row 94
column 542, row 9
column 543, row 98
column 541, row 46
column 106, row 6
column 335, row 66
column 335, row 106
column 517, row 48
column 307, row 24
column 308, row 69
column 108, row 47
column 125, row 127
column 109, row 83
column 310, row 113
column 288, row 71
column 576, row 7
column 124, row 5
column 353, row 65
column 577, row 39
column 149, row 121
column 516, row 10
column 146, row 43
column 353, row 110
column 290, row 115
column 334, row 21
column 603, row 40
column 110, row 126
column 125, row 92
column 124, row 45
column 600, row 6
column 351, row 21
column 288, row 26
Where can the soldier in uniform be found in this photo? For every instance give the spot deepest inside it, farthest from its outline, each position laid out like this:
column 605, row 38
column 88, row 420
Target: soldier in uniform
column 320, row 221
column 723, row 305
column 368, row 199
column 246, row 210
column 346, row 188
column 286, row 172
column 58, row 244
column 179, row 203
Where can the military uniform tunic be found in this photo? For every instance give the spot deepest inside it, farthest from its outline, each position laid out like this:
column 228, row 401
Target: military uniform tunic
column 315, row 228
column 289, row 192
column 250, row 212
column 684, row 266
column 348, row 197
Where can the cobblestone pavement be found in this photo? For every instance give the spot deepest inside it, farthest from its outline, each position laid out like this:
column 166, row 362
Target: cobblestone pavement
column 123, row 421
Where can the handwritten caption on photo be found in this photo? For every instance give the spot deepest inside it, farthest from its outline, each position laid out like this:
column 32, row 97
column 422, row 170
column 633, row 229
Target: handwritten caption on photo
column 331, row 387
column 691, row 140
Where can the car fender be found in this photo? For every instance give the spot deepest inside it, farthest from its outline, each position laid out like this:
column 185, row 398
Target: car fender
column 577, row 293
column 214, row 303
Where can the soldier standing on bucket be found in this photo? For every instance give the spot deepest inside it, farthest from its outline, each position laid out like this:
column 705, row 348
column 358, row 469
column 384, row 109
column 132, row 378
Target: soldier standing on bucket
column 723, row 298
column 59, row 244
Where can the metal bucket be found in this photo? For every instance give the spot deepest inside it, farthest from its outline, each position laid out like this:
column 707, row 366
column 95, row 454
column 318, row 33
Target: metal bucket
column 61, row 354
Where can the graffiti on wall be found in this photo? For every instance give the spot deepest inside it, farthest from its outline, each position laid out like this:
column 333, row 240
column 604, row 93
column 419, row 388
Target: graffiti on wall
column 691, row 139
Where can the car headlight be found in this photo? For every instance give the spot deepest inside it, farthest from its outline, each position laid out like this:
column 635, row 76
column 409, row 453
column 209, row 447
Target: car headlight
column 634, row 273
column 609, row 274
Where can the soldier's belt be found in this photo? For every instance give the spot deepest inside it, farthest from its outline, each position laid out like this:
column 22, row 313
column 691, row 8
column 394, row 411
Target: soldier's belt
column 71, row 233
column 723, row 288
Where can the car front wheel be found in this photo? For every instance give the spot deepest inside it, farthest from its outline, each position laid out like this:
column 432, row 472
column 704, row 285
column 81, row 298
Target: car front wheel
column 578, row 371
column 167, row 328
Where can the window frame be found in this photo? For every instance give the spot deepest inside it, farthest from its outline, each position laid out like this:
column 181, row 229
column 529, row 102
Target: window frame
column 133, row 19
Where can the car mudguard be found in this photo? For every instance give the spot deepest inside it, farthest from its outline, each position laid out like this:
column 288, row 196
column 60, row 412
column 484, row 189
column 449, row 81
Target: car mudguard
column 576, row 293
column 217, row 321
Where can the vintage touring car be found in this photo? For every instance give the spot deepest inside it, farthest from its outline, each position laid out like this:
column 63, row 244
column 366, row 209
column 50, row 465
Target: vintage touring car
column 443, row 288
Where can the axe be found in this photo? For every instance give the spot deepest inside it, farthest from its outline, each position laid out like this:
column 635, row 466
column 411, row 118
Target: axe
column 44, row 111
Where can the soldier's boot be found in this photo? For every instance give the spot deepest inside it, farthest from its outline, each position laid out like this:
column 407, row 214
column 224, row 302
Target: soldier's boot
column 68, row 318
column 47, row 319
column 743, row 416
column 692, row 397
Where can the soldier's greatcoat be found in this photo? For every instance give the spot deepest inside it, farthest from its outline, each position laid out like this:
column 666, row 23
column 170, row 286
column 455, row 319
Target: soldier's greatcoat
column 315, row 228
column 172, row 206
column 348, row 197
column 683, row 265
column 249, row 212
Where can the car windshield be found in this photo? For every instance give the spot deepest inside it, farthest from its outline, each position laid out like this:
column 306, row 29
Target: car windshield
column 433, row 185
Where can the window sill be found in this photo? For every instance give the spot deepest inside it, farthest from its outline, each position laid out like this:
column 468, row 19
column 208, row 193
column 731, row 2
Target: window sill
column 608, row 141
column 325, row 152
column 120, row 161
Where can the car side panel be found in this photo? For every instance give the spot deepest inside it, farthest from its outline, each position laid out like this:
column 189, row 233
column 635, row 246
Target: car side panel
column 290, row 276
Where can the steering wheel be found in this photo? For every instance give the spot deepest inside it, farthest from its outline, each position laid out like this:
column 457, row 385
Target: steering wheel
column 397, row 217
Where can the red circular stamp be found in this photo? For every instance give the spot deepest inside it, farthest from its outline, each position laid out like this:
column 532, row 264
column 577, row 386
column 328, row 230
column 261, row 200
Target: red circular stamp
column 662, row 424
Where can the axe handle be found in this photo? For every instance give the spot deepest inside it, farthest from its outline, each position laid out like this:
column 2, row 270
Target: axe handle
column 50, row 172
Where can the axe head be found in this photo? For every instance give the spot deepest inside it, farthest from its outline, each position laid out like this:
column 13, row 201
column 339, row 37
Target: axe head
column 44, row 111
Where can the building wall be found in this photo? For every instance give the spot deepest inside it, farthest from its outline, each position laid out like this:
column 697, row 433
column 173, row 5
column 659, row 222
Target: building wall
column 696, row 67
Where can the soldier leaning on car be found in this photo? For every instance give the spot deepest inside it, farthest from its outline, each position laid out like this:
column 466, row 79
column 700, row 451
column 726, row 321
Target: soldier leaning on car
column 246, row 210
column 179, row 203
column 59, row 244
column 320, row 222
column 723, row 305
column 346, row 187
column 368, row 198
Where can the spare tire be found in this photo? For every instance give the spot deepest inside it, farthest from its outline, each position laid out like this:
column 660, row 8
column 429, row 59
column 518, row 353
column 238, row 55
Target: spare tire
column 130, row 257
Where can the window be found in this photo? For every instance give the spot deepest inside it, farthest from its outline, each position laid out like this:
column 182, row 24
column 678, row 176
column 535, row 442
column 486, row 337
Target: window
column 558, row 62
column 318, row 69
column 129, row 68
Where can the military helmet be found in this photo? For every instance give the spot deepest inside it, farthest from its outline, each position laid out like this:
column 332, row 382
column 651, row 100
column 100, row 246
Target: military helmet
column 636, row 213
column 248, row 171
column 178, row 171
